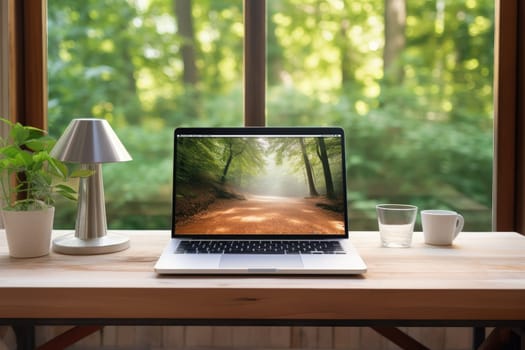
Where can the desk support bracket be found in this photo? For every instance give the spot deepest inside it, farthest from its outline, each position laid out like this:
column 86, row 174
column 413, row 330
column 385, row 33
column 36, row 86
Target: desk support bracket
column 69, row 337
column 399, row 338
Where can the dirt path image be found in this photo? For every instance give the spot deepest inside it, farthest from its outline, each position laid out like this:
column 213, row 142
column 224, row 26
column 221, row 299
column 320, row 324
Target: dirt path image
column 264, row 214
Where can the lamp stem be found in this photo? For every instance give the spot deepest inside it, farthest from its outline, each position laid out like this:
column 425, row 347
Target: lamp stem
column 91, row 214
column 90, row 235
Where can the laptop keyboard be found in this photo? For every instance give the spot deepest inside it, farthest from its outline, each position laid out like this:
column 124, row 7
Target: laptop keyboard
column 259, row 247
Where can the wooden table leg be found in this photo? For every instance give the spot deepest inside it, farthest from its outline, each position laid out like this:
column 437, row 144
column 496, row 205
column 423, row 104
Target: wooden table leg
column 478, row 337
column 25, row 337
column 502, row 339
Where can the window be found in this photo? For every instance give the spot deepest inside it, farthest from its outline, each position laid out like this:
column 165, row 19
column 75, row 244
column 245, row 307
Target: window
column 147, row 67
column 414, row 95
column 507, row 182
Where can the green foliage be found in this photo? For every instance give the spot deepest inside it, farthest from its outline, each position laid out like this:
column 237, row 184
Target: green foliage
column 247, row 157
column 258, row 167
column 426, row 139
column 218, row 159
column 196, row 158
column 29, row 171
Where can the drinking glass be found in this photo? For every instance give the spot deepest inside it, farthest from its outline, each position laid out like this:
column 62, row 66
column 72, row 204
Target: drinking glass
column 396, row 224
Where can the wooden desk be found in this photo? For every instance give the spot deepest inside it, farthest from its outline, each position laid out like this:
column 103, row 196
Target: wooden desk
column 480, row 281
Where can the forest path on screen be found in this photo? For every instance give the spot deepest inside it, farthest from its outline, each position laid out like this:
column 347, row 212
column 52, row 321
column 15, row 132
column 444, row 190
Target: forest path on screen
column 265, row 215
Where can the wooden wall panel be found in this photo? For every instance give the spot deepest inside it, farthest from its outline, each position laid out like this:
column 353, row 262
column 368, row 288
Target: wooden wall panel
column 173, row 337
column 258, row 338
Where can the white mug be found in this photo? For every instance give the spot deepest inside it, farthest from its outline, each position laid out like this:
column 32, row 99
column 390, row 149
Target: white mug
column 441, row 227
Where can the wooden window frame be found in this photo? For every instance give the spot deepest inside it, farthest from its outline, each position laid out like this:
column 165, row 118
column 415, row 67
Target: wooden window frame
column 254, row 62
column 28, row 89
column 509, row 116
column 27, row 33
column 4, row 59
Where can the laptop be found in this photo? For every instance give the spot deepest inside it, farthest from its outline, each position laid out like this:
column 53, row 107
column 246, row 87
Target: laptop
column 259, row 200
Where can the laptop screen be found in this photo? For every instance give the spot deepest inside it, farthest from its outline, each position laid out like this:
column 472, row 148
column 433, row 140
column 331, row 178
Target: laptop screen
column 271, row 182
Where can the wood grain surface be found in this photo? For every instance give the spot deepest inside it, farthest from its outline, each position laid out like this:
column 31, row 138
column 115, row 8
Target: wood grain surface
column 480, row 277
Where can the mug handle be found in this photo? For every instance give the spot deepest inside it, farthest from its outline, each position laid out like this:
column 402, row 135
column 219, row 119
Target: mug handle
column 459, row 225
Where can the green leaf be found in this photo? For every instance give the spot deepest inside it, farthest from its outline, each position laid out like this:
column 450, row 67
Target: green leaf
column 19, row 134
column 23, row 159
column 66, row 192
column 36, row 145
column 40, row 157
column 42, row 143
column 10, row 151
column 58, row 168
column 65, row 189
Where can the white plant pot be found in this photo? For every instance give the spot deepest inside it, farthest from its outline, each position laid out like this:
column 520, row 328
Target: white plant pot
column 28, row 232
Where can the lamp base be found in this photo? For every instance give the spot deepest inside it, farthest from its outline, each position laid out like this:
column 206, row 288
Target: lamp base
column 110, row 243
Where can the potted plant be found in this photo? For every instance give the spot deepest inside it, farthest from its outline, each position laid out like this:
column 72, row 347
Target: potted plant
column 30, row 179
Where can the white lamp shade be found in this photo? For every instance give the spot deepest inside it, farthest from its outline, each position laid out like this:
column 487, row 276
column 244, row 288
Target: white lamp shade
column 90, row 140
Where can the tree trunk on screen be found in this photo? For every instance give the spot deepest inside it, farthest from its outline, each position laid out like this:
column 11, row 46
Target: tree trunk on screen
column 231, row 153
column 395, row 41
column 308, row 167
column 228, row 162
column 323, row 156
column 187, row 34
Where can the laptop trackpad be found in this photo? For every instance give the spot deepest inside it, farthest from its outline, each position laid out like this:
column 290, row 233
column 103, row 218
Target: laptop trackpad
column 260, row 261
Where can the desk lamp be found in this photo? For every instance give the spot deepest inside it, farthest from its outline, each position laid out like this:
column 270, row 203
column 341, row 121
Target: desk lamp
column 90, row 142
